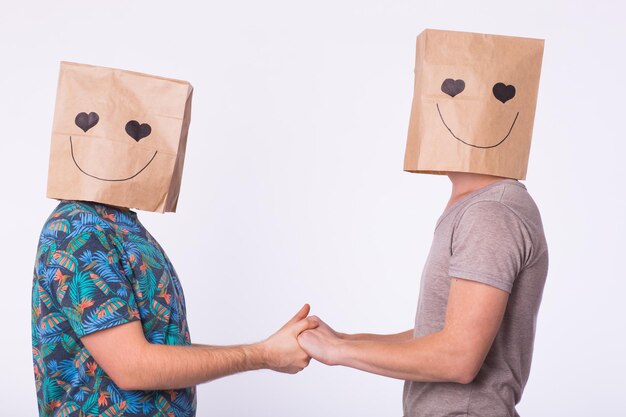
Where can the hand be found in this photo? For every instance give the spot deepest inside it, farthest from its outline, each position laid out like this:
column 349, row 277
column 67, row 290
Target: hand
column 321, row 343
column 282, row 353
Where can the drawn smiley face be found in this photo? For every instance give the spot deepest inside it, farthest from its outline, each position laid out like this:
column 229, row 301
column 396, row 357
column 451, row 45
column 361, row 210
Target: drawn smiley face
column 501, row 92
column 133, row 128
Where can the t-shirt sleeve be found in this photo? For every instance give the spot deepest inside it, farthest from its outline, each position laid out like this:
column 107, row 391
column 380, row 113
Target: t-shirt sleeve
column 89, row 283
column 489, row 245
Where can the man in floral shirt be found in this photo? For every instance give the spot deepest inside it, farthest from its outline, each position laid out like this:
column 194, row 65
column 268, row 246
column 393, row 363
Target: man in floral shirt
column 98, row 267
column 110, row 334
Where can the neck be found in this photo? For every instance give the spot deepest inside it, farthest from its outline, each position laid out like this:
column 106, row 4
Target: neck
column 464, row 183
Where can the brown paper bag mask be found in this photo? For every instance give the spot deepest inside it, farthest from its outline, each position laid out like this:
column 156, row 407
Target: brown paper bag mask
column 118, row 137
column 474, row 103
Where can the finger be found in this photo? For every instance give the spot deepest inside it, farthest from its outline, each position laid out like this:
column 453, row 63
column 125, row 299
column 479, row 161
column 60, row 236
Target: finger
column 302, row 339
column 303, row 325
column 304, row 311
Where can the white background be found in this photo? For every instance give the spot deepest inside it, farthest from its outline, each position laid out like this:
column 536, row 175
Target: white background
column 294, row 192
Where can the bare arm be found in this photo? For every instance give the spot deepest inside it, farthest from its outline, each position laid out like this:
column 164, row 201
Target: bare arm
column 455, row 354
column 388, row 338
column 135, row 364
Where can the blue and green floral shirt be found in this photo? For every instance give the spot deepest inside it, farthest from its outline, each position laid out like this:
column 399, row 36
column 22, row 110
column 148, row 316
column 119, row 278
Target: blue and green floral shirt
column 98, row 267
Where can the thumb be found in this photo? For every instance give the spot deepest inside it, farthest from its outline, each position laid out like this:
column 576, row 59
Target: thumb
column 304, row 311
column 303, row 325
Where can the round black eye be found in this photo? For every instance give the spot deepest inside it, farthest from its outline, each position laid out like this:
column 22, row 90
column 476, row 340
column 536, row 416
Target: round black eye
column 452, row 87
column 86, row 121
column 503, row 92
column 138, row 131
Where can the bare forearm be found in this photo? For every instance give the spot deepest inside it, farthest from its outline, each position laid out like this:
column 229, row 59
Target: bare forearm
column 387, row 338
column 454, row 354
column 427, row 359
column 135, row 364
column 160, row 367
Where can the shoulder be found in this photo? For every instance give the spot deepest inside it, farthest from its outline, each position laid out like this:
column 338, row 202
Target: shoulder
column 490, row 215
column 486, row 211
column 74, row 211
column 71, row 216
column 75, row 225
column 509, row 200
column 505, row 217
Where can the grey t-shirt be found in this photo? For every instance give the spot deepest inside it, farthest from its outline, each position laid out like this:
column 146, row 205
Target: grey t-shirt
column 494, row 236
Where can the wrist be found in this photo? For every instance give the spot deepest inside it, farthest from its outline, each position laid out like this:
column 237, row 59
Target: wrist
column 255, row 356
column 340, row 351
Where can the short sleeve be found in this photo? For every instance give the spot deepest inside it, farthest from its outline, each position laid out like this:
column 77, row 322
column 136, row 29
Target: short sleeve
column 489, row 245
column 88, row 283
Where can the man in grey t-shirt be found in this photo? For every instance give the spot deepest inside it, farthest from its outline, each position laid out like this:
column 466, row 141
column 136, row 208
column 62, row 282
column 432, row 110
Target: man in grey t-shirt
column 470, row 351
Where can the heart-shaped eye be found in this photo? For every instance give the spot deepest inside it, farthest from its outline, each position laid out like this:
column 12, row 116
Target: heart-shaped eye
column 138, row 131
column 86, row 121
column 452, row 87
column 503, row 92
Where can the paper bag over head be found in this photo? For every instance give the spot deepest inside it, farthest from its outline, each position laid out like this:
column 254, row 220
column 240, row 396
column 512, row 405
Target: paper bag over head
column 474, row 103
column 118, row 137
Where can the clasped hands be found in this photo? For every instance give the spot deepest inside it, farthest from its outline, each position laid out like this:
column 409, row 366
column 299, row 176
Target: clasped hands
column 302, row 338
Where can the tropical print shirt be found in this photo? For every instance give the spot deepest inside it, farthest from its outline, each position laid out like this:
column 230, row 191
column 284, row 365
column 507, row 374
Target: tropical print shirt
column 98, row 267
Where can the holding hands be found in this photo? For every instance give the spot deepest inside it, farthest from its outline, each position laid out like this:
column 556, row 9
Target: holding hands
column 321, row 342
column 302, row 338
column 281, row 351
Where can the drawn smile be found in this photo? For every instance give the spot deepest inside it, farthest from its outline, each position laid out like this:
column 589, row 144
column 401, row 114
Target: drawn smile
column 470, row 144
column 108, row 179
